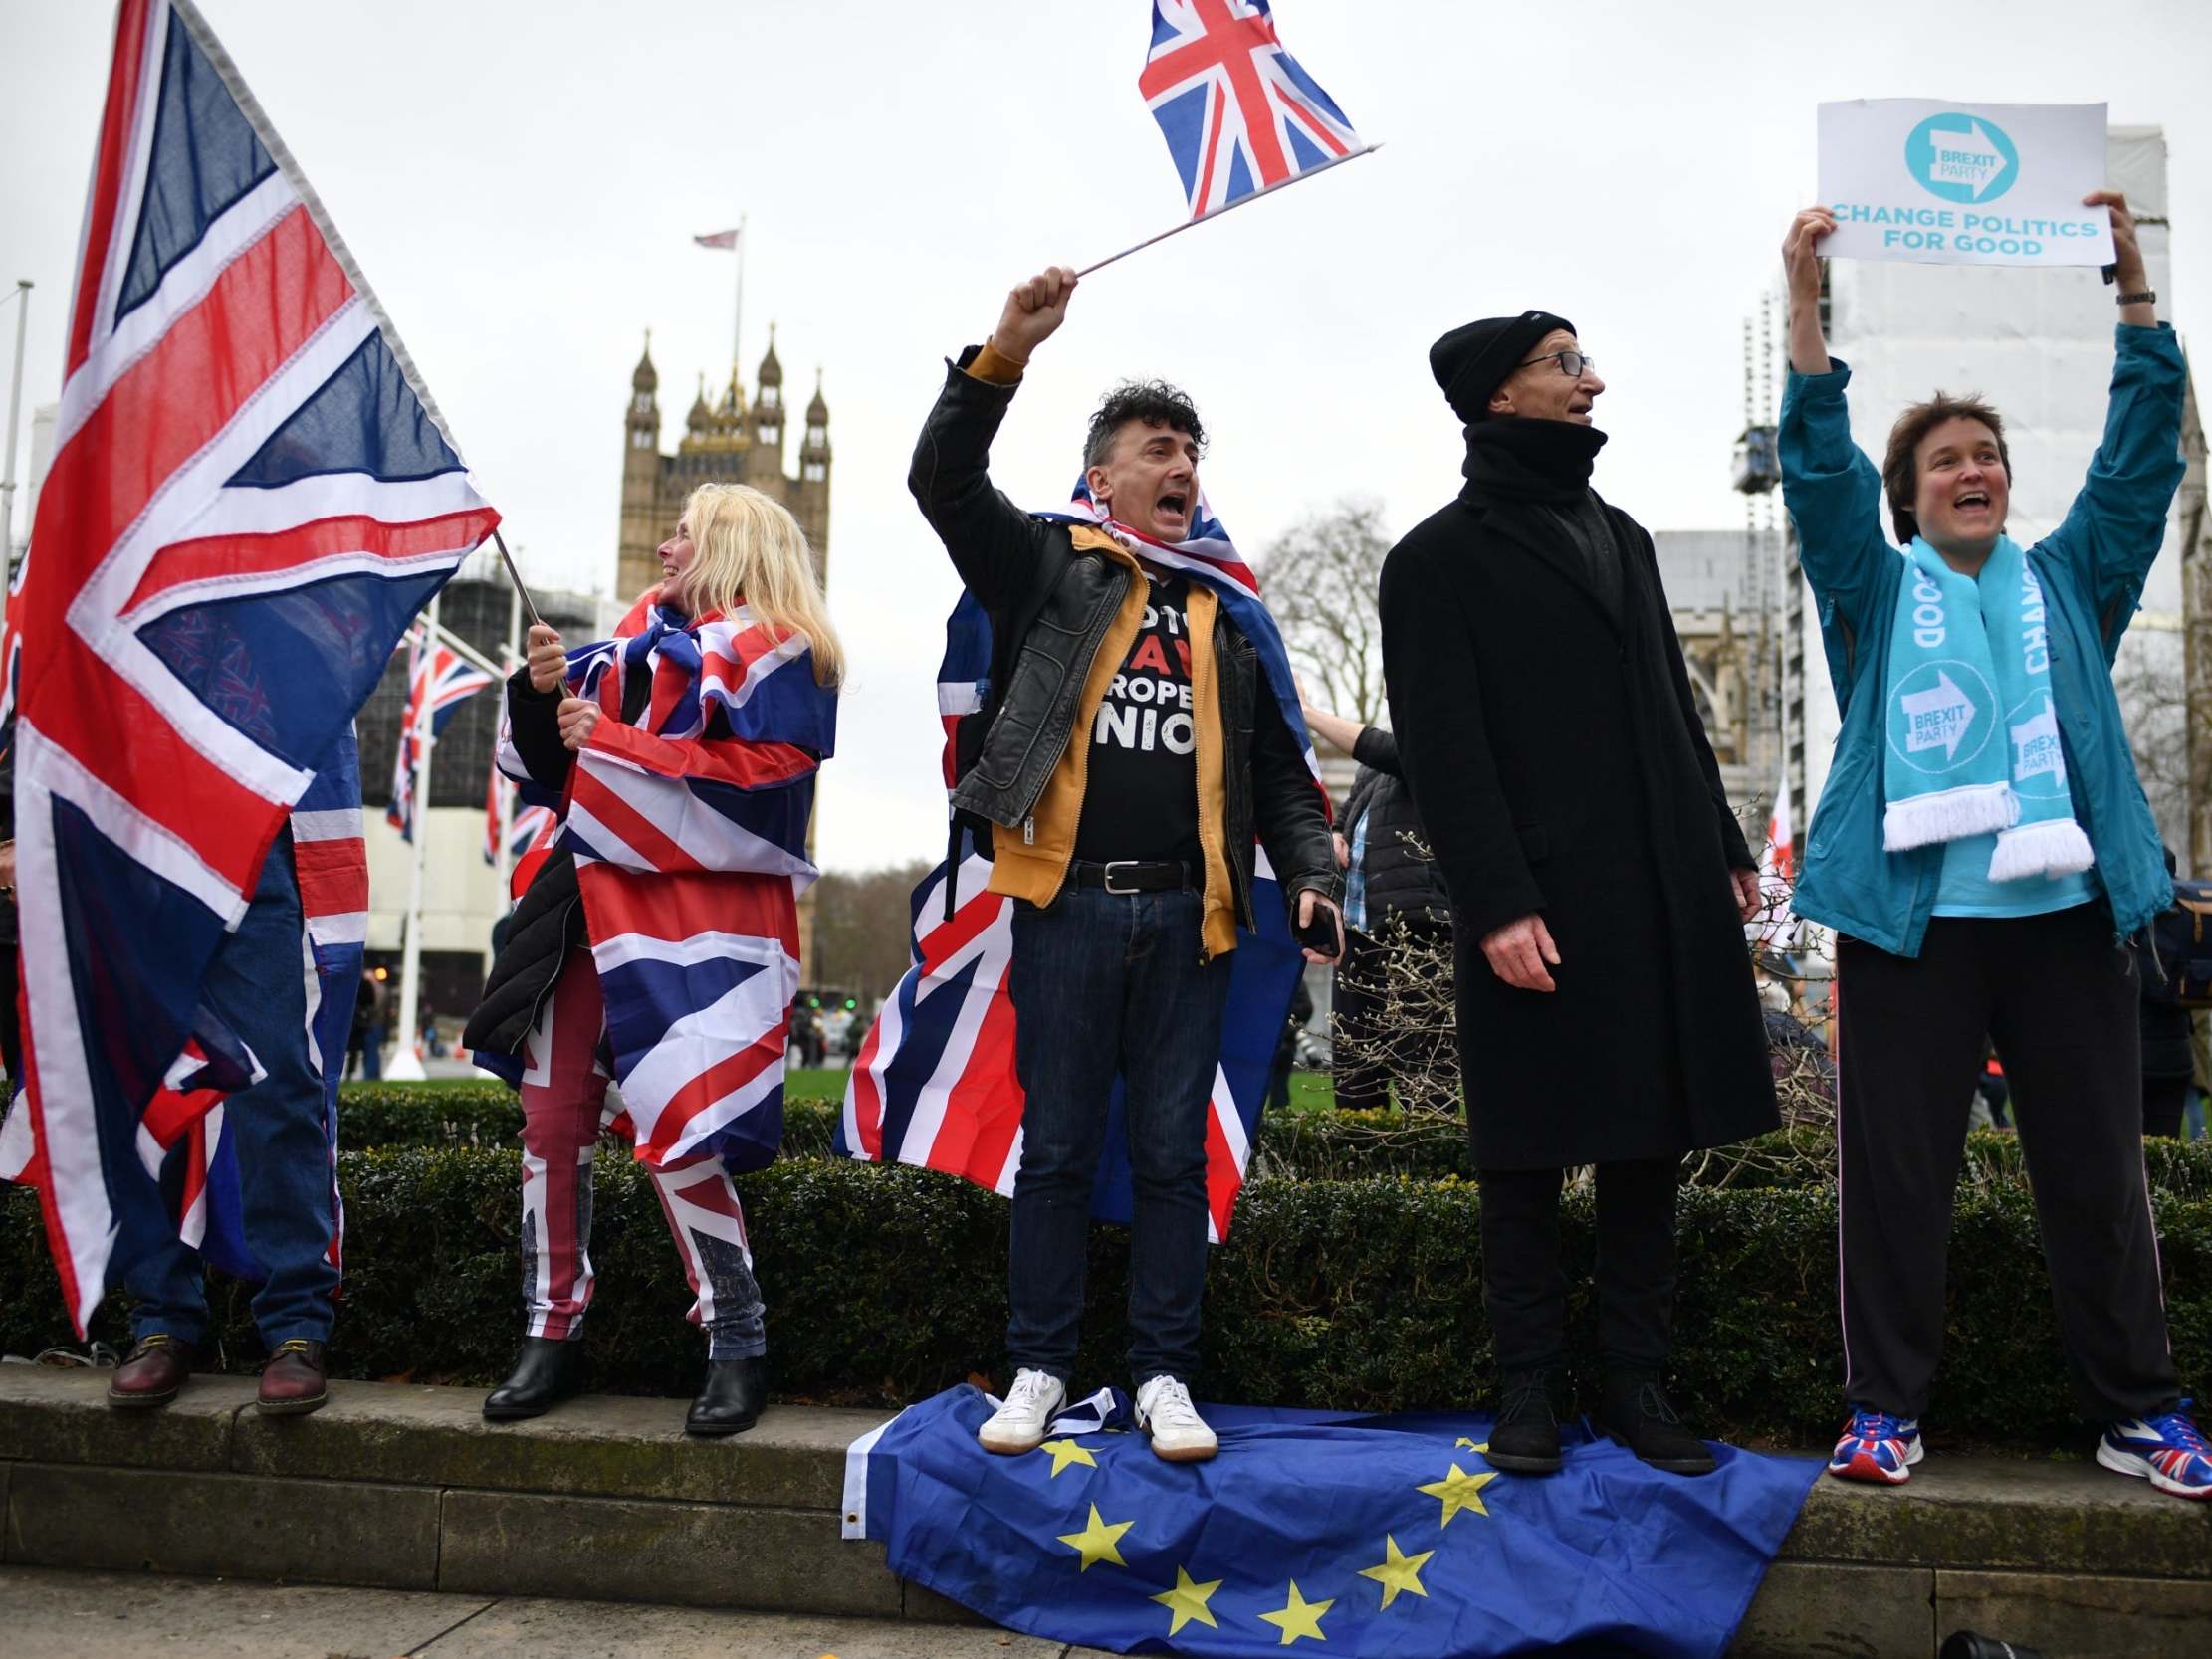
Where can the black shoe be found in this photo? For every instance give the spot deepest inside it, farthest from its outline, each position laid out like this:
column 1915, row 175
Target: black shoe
column 730, row 1398
column 1636, row 1414
column 548, row 1370
column 1525, row 1439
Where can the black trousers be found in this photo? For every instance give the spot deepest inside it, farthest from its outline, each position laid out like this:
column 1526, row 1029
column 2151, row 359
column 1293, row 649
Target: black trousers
column 2059, row 998
column 1524, row 1288
column 2164, row 1097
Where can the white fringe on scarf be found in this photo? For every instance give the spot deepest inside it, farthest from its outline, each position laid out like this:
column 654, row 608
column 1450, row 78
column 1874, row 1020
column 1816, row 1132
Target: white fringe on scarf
column 1950, row 815
column 2053, row 847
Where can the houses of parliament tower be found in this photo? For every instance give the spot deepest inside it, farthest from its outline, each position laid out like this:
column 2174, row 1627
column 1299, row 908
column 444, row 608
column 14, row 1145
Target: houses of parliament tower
column 727, row 443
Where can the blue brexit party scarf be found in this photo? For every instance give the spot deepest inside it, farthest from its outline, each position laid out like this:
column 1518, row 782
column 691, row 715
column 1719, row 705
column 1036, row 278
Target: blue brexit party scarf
column 1973, row 729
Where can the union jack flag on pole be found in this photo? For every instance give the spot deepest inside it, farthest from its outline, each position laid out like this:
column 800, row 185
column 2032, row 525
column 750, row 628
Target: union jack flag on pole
column 1239, row 113
column 450, row 681
column 1241, row 116
column 251, row 495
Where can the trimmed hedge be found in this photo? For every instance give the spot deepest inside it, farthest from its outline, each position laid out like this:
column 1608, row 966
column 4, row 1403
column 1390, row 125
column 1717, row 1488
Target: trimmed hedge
column 886, row 1284
column 1309, row 1144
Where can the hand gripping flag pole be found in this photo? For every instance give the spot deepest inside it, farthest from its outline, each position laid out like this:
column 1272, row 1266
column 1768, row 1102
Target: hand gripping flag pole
column 1241, row 117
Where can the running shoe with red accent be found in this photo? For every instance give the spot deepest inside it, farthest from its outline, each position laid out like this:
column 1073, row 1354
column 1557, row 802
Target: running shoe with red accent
column 2168, row 1450
column 1876, row 1447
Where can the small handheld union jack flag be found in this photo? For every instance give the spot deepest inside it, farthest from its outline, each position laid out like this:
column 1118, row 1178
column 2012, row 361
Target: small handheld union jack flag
column 1241, row 117
column 1239, row 113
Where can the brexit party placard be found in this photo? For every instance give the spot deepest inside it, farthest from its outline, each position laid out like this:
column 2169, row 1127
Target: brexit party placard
column 1914, row 178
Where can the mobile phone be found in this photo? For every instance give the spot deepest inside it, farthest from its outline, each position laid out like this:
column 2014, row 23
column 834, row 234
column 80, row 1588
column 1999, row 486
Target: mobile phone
column 1321, row 932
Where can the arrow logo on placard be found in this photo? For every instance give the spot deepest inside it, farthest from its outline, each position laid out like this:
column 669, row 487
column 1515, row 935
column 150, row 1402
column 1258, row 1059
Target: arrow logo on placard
column 1937, row 719
column 1970, row 158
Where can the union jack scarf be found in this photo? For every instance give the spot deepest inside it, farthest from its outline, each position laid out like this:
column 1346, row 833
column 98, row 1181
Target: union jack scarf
column 934, row 1084
column 689, row 830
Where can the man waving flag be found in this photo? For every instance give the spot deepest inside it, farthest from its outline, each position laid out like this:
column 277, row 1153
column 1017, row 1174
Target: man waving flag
column 251, row 495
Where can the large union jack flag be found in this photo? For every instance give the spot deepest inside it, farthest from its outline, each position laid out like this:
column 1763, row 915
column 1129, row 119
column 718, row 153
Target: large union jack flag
column 934, row 1083
column 1239, row 113
column 689, row 830
column 251, row 495
column 448, row 679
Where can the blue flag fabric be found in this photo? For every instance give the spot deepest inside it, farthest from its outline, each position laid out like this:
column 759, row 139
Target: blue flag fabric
column 1364, row 1535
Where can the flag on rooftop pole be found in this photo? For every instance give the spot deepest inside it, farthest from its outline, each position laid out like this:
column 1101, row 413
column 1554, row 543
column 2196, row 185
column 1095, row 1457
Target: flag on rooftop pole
column 251, row 495
column 449, row 679
column 1241, row 114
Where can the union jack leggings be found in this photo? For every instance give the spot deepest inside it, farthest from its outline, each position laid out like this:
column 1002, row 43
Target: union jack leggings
column 564, row 1085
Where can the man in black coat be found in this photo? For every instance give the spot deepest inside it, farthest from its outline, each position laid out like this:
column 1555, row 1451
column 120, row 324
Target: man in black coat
column 1599, row 880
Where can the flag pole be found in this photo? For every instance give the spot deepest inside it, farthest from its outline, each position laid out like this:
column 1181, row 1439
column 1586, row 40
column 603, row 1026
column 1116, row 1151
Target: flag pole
column 15, row 409
column 514, row 575
column 736, row 318
column 506, row 793
column 1242, row 201
column 406, row 1065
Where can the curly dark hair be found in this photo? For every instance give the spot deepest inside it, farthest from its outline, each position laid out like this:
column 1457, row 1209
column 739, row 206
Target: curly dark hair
column 1153, row 402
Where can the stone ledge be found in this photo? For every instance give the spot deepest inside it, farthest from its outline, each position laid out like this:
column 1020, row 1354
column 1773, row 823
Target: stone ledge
column 603, row 1446
column 50, row 1415
column 1988, row 1513
column 406, row 1487
column 212, row 1526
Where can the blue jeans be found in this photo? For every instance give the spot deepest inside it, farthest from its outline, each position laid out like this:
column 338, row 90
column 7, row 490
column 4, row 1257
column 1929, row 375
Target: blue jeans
column 1106, row 983
column 258, row 986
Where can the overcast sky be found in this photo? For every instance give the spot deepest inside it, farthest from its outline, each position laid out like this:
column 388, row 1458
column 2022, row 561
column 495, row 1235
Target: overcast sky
column 520, row 183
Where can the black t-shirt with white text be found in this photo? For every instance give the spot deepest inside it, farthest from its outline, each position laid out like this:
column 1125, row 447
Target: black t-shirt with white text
column 1140, row 796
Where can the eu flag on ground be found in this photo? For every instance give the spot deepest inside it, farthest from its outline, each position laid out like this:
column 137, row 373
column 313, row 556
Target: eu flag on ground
column 1383, row 1537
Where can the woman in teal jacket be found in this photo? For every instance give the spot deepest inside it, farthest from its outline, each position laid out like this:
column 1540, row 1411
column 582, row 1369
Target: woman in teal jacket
column 1983, row 849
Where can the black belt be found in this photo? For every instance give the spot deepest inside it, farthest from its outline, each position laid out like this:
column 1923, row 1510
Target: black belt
column 1132, row 875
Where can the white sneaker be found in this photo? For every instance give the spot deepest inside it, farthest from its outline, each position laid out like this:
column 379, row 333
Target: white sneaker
column 1018, row 1426
column 1179, row 1433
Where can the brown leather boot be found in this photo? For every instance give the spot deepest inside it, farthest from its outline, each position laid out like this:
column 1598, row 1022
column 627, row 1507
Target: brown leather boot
column 153, row 1373
column 292, row 1382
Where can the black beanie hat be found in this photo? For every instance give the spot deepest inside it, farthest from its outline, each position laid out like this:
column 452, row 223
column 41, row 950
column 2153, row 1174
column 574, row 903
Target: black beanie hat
column 1473, row 361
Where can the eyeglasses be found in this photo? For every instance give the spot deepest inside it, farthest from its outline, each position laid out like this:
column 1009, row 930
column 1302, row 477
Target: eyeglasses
column 1570, row 363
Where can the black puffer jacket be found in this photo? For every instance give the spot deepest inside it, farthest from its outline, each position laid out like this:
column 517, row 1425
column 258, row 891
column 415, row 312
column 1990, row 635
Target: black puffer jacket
column 1401, row 879
column 547, row 922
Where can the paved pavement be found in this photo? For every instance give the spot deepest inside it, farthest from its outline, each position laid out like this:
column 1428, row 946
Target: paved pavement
column 53, row 1613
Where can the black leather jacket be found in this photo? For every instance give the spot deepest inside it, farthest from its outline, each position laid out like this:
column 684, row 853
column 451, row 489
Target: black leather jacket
column 1049, row 608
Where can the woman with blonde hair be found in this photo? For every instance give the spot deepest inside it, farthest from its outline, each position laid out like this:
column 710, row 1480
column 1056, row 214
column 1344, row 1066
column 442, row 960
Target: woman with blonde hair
column 656, row 938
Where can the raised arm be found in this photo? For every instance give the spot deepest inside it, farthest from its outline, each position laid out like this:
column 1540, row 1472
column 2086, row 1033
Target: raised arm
column 2118, row 523
column 994, row 545
column 1833, row 492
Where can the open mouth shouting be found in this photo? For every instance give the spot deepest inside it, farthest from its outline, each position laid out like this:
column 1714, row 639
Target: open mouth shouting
column 1172, row 511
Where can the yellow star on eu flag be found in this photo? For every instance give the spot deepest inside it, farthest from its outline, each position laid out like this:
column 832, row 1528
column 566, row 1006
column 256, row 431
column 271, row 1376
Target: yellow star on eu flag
column 1187, row 1602
column 1400, row 1571
column 1099, row 1542
column 1470, row 1445
column 1460, row 1491
column 1299, row 1617
column 1065, row 1452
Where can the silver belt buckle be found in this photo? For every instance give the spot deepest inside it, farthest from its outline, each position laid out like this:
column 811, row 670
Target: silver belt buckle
column 1121, row 864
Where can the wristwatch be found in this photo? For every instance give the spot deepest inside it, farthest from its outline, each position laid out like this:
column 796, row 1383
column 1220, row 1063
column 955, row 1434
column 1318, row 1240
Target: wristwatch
column 2148, row 297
